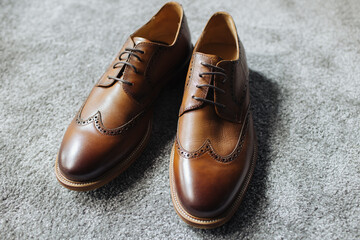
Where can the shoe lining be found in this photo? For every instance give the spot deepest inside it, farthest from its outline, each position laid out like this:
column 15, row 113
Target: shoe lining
column 164, row 26
column 219, row 38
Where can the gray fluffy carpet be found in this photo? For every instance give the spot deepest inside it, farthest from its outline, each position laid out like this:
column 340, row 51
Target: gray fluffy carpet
column 305, row 87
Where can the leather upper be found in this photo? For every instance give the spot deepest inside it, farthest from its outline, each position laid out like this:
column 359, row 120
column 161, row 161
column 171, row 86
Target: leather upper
column 116, row 116
column 215, row 142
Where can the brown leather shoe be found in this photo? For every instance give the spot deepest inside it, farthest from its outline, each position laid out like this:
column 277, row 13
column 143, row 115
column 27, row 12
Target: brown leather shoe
column 113, row 126
column 214, row 154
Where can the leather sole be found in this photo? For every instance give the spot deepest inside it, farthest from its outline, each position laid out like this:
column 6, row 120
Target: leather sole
column 108, row 176
column 208, row 223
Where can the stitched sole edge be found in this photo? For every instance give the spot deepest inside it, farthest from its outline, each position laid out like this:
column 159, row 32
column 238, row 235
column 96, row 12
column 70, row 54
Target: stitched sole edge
column 110, row 175
column 208, row 223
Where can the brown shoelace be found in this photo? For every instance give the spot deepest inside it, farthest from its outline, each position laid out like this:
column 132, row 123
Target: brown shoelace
column 220, row 72
column 130, row 52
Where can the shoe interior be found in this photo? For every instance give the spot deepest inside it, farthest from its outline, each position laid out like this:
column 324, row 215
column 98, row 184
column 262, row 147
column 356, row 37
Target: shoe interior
column 220, row 37
column 164, row 26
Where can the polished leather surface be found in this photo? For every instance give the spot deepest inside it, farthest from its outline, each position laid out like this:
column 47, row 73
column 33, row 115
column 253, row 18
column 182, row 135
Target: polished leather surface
column 115, row 117
column 214, row 146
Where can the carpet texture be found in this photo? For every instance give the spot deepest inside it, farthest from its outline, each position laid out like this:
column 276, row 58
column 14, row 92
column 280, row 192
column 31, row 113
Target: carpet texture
column 305, row 87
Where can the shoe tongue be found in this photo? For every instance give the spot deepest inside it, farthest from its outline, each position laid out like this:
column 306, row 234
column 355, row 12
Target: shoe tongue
column 209, row 58
column 138, row 40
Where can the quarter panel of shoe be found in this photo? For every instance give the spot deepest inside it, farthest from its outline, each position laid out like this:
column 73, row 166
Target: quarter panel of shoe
column 103, row 99
column 236, row 98
column 161, row 68
column 141, row 87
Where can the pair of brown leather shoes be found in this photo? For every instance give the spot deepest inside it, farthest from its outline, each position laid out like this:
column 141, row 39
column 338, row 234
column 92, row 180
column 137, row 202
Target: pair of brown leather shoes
column 214, row 153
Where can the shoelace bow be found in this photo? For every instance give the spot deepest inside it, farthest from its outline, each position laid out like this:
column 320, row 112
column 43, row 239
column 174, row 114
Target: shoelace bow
column 220, row 72
column 130, row 52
